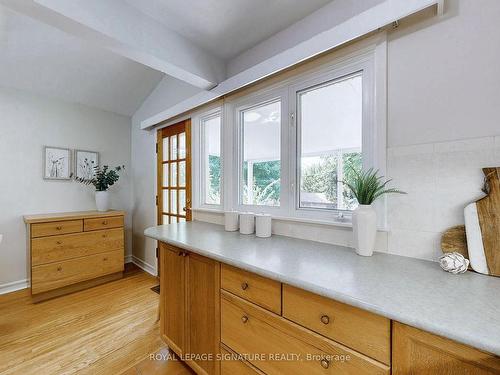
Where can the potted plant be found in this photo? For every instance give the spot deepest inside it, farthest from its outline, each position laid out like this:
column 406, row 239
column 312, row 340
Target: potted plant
column 367, row 187
column 104, row 177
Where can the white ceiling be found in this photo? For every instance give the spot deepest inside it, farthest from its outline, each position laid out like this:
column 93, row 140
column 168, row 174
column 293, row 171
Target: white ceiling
column 226, row 28
column 44, row 60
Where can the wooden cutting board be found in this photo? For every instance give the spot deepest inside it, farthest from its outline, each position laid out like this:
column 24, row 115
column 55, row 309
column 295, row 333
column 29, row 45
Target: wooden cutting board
column 482, row 224
column 455, row 240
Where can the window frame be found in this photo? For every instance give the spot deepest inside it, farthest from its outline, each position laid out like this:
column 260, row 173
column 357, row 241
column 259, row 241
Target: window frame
column 198, row 166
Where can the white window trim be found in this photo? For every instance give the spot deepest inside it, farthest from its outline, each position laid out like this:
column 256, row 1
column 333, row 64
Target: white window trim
column 198, row 152
column 372, row 58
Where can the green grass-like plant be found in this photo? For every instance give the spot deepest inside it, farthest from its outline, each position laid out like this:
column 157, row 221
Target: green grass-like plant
column 367, row 186
column 104, row 177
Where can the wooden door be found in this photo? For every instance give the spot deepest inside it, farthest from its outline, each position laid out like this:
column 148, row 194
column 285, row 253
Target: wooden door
column 416, row 352
column 174, row 173
column 173, row 298
column 203, row 310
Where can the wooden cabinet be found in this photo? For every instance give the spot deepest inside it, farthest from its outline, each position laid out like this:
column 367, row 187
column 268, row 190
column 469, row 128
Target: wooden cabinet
column 416, row 352
column 189, row 312
column 72, row 251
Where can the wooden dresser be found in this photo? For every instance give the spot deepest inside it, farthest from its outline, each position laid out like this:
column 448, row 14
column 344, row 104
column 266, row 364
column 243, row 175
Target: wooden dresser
column 72, row 251
column 222, row 320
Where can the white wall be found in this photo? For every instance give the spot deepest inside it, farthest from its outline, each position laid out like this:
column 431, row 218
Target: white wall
column 168, row 92
column 29, row 122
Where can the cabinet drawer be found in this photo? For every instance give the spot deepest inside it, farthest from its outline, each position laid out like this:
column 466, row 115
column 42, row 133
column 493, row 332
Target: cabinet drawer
column 257, row 289
column 231, row 364
column 56, row 227
column 358, row 329
column 56, row 248
column 56, row 275
column 287, row 348
column 103, row 223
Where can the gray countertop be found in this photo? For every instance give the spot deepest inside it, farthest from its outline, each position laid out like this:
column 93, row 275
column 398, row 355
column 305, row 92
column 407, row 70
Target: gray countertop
column 465, row 308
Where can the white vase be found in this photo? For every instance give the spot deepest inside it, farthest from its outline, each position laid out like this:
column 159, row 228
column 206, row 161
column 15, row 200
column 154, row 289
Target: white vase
column 102, row 200
column 364, row 228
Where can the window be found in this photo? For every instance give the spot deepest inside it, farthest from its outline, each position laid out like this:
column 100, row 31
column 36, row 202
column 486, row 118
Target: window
column 211, row 164
column 330, row 125
column 260, row 169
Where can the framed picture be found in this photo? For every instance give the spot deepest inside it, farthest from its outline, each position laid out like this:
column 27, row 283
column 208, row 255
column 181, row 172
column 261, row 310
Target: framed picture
column 57, row 163
column 85, row 161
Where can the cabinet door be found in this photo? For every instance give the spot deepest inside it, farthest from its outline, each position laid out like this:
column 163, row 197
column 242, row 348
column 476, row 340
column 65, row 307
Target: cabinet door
column 173, row 298
column 203, row 285
column 421, row 353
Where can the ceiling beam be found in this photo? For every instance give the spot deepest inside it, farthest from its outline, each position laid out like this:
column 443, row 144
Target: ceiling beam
column 123, row 29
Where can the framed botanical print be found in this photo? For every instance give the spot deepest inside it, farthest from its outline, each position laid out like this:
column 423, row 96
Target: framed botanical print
column 85, row 163
column 57, row 163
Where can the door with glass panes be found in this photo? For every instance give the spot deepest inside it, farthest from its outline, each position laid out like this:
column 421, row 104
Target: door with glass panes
column 174, row 173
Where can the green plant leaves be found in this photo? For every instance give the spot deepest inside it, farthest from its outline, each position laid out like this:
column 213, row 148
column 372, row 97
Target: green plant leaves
column 103, row 178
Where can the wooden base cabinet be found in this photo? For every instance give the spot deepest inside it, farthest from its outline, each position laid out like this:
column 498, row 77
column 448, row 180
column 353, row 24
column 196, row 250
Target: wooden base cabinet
column 416, row 352
column 189, row 310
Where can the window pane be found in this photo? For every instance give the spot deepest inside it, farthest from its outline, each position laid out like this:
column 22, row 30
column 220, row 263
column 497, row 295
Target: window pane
column 173, row 201
column 165, row 174
column 182, row 220
column 165, row 149
column 173, row 147
column 173, row 174
column 182, row 173
column 165, row 201
column 182, row 146
column 261, row 154
column 182, row 201
column 211, row 133
column 330, row 126
column 165, row 219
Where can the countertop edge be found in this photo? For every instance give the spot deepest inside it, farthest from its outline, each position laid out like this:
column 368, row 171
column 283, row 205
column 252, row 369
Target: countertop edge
column 435, row 329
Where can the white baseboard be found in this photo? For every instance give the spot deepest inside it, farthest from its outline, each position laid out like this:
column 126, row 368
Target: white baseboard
column 13, row 286
column 128, row 258
column 144, row 266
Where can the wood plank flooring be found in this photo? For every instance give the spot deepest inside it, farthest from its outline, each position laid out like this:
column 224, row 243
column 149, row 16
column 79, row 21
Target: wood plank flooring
column 109, row 329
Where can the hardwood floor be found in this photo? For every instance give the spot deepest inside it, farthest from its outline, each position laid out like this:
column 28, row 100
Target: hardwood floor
column 109, row 329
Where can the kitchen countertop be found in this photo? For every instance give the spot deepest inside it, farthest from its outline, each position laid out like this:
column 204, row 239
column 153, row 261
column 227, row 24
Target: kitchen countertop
column 464, row 308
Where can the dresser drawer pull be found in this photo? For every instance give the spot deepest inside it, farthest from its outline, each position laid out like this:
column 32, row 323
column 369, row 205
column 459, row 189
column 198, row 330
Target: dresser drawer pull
column 59, row 268
column 105, row 258
column 244, row 318
column 325, row 363
column 325, row 319
column 244, row 286
column 105, row 222
column 104, row 236
column 58, row 242
column 58, row 228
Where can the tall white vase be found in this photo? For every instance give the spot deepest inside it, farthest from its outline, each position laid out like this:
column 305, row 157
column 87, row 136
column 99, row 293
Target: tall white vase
column 364, row 228
column 102, row 200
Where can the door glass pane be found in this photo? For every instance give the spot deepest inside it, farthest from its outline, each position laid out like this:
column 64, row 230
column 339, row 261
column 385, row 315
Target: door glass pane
column 182, row 201
column 173, row 147
column 165, row 174
column 173, row 219
column 212, row 171
column 330, row 125
column 182, row 220
column 165, row 149
column 182, row 145
column 165, row 219
column 165, row 200
column 173, row 174
column 261, row 169
column 173, row 201
column 182, row 173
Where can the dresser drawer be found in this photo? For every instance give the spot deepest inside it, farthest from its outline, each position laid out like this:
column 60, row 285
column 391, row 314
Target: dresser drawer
column 288, row 348
column 56, row 275
column 56, row 227
column 257, row 289
column 103, row 223
column 231, row 364
column 358, row 329
column 56, row 248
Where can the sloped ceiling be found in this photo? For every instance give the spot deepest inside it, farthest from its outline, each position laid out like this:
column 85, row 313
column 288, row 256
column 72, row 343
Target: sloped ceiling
column 39, row 58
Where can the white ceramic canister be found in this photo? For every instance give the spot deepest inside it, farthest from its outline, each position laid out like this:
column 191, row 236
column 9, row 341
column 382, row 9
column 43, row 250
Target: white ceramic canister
column 231, row 220
column 247, row 222
column 263, row 225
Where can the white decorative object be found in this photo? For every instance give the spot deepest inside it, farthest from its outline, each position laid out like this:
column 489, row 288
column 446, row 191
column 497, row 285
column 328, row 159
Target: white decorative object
column 85, row 161
column 247, row 222
column 57, row 163
column 364, row 228
column 263, row 225
column 102, row 200
column 453, row 262
column 231, row 219
column 475, row 240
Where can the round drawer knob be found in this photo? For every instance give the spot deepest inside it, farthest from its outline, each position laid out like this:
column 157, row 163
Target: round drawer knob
column 325, row 319
column 325, row 363
column 244, row 286
column 58, row 228
column 105, row 258
column 104, row 236
column 58, row 242
column 59, row 268
column 244, row 318
column 105, row 222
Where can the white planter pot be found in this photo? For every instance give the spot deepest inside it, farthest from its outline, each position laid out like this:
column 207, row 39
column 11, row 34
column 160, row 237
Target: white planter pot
column 364, row 228
column 102, row 200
